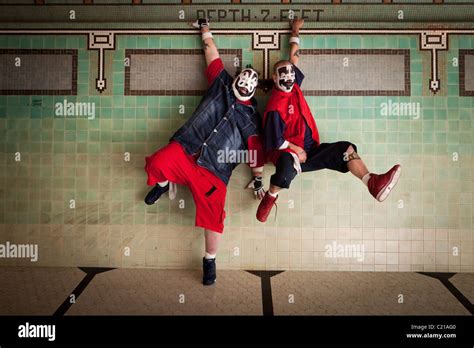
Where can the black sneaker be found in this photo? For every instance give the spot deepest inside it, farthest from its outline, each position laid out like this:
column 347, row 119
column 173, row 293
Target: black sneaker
column 156, row 193
column 209, row 271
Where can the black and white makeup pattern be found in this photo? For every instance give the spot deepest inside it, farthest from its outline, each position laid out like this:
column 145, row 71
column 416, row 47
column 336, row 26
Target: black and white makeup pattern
column 285, row 77
column 245, row 84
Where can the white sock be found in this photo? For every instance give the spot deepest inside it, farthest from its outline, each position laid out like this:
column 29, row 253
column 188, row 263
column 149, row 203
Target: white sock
column 365, row 178
column 163, row 184
column 273, row 194
column 209, row 256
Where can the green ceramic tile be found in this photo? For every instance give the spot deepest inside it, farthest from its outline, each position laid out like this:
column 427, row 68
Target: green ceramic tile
column 142, row 41
column 130, row 42
column 129, row 112
column 165, row 42
column 141, row 124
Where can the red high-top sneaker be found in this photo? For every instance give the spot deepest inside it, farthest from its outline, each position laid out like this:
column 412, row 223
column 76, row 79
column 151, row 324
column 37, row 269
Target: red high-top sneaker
column 380, row 185
column 265, row 207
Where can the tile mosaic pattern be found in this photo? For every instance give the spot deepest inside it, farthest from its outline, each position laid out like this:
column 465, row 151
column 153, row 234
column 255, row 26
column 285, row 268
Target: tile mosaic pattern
column 356, row 72
column 102, row 16
column 465, row 283
column 35, row 291
column 172, row 71
column 426, row 219
column 469, row 75
column 345, row 293
column 169, row 292
column 46, row 290
column 38, row 71
column 466, row 72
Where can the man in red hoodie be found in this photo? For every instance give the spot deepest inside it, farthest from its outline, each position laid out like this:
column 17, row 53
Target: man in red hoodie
column 292, row 139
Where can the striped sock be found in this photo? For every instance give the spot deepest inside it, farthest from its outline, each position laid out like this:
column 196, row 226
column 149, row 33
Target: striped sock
column 365, row 179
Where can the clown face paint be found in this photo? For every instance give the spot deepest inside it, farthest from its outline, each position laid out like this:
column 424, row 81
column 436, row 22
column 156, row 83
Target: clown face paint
column 245, row 84
column 285, row 78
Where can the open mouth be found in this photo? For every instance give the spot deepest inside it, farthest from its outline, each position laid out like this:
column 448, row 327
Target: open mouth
column 243, row 90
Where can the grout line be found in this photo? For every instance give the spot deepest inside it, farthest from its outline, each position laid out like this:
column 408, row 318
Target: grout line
column 91, row 272
column 266, row 286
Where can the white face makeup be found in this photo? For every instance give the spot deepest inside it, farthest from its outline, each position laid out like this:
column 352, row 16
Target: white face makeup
column 285, row 78
column 245, row 84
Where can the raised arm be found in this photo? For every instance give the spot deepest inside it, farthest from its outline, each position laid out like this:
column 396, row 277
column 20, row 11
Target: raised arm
column 296, row 25
column 210, row 50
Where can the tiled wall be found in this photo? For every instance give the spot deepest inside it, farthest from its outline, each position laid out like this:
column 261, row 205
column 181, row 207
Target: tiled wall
column 429, row 214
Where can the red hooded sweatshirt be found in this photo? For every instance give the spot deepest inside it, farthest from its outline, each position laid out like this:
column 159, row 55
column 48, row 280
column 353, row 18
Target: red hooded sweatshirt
column 293, row 111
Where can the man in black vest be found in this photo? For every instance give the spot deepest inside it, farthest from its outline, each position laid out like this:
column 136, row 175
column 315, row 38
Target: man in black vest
column 225, row 122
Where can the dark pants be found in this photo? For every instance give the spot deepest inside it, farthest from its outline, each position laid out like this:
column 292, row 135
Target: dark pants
column 325, row 156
